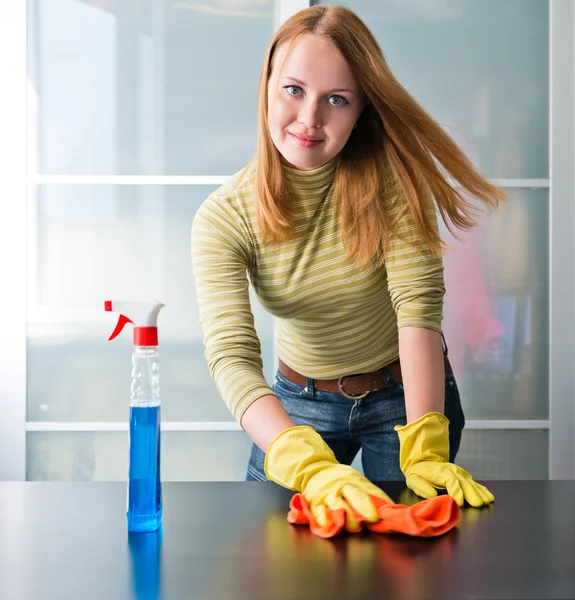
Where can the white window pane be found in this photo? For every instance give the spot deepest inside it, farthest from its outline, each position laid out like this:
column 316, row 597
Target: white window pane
column 505, row 454
column 134, row 242
column 96, row 243
column 103, row 456
column 478, row 66
column 146, row 86
column 223, row 456
column 496, row 315
column 500, row 454
column 214, row 54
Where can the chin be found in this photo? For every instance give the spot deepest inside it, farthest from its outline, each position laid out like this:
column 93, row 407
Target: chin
column 299, row 162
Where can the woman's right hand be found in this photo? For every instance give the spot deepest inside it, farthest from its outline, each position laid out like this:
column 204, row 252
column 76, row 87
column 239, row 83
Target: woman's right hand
column 300, row 460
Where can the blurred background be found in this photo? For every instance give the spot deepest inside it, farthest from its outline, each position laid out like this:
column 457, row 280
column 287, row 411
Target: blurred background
column 133, row 111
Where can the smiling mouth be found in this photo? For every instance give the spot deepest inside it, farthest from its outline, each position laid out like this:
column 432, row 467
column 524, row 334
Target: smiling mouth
column 306, row 138
column 306, row 142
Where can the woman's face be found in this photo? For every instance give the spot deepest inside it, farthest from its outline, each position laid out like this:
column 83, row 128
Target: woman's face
column 314, row 101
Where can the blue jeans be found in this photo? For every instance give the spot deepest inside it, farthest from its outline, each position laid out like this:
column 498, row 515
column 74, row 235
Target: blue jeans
column 348, row 425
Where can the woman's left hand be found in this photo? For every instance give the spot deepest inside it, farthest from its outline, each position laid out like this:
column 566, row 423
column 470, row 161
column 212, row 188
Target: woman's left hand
column 424, row 460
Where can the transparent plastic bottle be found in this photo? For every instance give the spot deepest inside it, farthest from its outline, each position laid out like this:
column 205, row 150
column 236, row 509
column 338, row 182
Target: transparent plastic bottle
column 144, row 480
column 144, row 510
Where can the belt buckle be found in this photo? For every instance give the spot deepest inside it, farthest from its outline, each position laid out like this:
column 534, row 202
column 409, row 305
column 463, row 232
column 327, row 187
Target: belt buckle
column 350, row 396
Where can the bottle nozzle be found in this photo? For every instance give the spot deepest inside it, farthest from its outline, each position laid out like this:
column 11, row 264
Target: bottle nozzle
column 119, row 326
column 142, row 315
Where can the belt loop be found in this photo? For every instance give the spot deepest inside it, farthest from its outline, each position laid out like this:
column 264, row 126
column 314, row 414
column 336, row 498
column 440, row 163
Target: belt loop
column 310, row 386
column 387, row 376
column 444, row 344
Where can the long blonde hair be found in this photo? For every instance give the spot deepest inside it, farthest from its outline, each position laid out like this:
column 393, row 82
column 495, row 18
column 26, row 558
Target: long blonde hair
column 397, row 151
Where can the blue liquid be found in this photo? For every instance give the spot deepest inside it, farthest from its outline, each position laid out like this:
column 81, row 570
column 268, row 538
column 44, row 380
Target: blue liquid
column 144, row 486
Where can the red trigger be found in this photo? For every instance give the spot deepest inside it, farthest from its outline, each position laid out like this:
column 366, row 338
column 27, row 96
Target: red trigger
column 119, row 326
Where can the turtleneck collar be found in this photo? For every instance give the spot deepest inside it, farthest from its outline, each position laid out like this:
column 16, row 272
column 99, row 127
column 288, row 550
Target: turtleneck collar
column 312, row 184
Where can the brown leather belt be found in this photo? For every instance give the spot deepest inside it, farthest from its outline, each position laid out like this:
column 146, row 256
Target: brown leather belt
column 354, row 387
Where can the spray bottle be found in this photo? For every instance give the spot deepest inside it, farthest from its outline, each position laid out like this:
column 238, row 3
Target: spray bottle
column 144, row 510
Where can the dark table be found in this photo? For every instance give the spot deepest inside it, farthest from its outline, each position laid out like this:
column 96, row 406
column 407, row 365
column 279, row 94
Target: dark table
column 223, row 541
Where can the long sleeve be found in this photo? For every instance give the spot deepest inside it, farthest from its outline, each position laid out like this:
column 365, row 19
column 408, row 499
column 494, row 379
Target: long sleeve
column 334, row 317
column 220, row 258
column 415, row 277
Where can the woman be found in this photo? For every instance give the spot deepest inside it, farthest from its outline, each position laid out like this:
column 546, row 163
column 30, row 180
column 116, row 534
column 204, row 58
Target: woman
column 334, row 222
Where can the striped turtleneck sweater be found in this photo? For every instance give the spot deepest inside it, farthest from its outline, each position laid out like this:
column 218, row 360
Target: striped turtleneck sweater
column 334, row 317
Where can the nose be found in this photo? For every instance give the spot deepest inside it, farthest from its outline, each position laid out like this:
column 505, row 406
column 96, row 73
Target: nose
column 309, row 115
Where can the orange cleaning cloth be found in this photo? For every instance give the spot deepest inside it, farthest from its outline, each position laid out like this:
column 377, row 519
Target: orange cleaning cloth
column 428, row 518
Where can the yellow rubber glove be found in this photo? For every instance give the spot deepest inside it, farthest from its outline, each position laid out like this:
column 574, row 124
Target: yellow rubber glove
column 424, row 460
column 299, row 459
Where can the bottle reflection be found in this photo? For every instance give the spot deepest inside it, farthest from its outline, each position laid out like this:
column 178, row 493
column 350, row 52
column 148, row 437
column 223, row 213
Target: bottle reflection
column 145, row 552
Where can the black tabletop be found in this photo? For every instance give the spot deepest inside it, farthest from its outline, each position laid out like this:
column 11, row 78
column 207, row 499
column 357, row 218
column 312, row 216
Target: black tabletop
column 231, row 540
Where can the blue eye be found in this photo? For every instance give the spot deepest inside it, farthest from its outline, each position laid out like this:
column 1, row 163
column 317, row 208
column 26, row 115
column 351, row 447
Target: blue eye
column 335, row 100
column 290, row 90
column 341, row 101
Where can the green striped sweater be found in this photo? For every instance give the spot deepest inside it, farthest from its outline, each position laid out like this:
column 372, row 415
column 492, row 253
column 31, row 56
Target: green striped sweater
column 334, row 318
